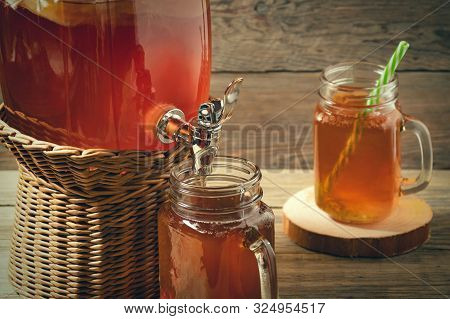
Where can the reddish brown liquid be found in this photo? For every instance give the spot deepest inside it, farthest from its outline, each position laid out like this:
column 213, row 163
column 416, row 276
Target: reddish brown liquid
column 367, row 187
column 99, row 72
column 207, row 259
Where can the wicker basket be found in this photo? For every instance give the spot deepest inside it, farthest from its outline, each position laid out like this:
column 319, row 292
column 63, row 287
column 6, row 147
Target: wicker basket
column 86, row 220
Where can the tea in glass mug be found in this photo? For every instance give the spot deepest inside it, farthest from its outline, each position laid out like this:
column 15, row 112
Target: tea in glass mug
column 357, row 147
column 215, row 234
column 97, row 72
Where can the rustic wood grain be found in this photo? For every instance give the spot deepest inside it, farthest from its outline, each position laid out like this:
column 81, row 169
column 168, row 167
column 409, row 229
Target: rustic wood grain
column 6, row 222
column 305, row 35
column 8, row 185
column 6, row 160
column 415, row 275
column 305, row 274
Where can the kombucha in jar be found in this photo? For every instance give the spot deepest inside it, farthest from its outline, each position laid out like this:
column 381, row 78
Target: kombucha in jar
column 216, row 237
column 357, row 154
column 93, row 74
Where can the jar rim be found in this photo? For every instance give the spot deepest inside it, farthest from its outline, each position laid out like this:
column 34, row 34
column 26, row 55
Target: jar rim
column 377, row 68
column 388, row 90
column 233, row 163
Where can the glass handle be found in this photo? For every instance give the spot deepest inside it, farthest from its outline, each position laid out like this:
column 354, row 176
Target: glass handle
column 265, row 258
column 411, row 186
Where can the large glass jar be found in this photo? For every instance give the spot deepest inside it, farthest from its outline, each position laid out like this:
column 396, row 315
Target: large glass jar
column 216, row 235
column 93, row 72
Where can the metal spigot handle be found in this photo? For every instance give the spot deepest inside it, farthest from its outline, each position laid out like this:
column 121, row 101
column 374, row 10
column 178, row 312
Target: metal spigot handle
column 202, row 136
column 218, row 111
column 211, row 114
column 230, row 98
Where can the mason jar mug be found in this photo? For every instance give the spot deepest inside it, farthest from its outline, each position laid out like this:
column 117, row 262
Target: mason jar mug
column 357, row 146
column 216, row 236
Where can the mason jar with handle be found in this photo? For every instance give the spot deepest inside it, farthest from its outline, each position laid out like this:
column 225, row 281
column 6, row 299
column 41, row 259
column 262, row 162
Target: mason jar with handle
column 216, row 236
column 357, row 145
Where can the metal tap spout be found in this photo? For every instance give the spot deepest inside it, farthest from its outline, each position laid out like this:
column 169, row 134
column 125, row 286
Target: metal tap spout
column 202, row 135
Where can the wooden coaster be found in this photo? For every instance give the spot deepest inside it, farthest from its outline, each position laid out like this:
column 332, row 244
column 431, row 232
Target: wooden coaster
column 312, row 228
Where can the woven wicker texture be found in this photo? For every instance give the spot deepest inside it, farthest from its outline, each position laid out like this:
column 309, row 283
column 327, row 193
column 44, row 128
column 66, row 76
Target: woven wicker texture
column 86, row 220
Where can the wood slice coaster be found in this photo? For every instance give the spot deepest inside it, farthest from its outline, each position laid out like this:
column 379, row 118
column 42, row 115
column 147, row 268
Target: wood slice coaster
column 310, row 227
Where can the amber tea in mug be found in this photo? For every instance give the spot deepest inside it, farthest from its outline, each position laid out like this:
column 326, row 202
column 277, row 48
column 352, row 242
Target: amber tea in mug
column 357, row 145
column 216, row 236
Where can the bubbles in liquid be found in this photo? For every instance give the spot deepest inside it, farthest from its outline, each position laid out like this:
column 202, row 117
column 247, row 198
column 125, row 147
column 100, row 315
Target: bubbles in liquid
column 341, row 119
column 349, row 106
column 363, row 187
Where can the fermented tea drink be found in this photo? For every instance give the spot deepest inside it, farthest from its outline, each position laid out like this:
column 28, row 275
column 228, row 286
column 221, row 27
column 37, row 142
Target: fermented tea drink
column 357, row 146
column 214, row 231
column 367, row 187
column 95, row 73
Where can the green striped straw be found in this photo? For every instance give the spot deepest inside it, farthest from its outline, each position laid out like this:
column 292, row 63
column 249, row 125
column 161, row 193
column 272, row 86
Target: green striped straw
column 388, row 73
column 386, row 76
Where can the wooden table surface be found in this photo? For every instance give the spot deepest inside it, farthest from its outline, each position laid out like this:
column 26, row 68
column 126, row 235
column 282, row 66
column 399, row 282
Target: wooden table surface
column 424, row 273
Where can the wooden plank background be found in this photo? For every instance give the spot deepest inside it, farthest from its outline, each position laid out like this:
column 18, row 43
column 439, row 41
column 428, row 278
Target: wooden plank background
column 307, row 35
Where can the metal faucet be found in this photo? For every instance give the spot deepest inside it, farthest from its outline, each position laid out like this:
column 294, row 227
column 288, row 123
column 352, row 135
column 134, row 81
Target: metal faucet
column 202, row 135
